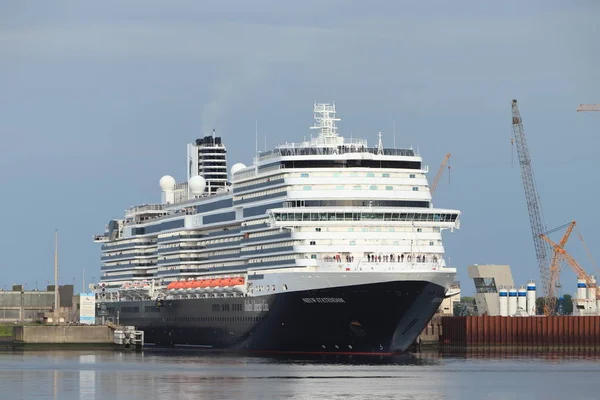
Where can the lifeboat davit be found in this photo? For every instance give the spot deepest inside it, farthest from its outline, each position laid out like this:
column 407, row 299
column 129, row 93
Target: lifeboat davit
column 238, row 284
column 220, row 284
column 180, row 287
column 211, row 285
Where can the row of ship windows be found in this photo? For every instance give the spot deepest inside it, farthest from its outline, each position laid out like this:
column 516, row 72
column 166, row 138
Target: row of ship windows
column 259, row 194
column 200, row 243
column 324, row 175
column 269, row 246
column 357, row 187
column 255, row 222
column 136, row 252
column 205, row 255
column 357, row 174
column 226, row 307
column 324, row 187
column 136, row 242
column 195, row 232
column 274, row 258
column 372, row 229
column 203, row 266
column 377, row 242
column 258, row 181
column 358, row 216
column 264, row 233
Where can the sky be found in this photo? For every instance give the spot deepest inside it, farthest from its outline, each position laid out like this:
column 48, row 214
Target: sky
column 99, row 99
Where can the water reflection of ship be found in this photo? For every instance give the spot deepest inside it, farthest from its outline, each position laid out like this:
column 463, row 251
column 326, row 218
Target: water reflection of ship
column 87, row 377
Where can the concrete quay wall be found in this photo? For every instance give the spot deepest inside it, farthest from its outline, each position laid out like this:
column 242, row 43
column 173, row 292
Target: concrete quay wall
column 63, row 334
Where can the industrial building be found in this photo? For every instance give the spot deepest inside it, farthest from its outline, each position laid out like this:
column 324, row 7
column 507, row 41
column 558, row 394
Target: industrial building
column 20, row 305
column 488, row 280
column 447, row 305
column 586, row 302
column 496, row 294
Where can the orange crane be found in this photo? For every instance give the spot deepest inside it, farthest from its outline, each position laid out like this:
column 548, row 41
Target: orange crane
column 557, row 258
column 437, row 178
column 588, row 107
column 578, row 269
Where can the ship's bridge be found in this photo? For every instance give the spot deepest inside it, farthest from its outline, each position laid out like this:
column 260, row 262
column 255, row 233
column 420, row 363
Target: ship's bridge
column 329, row 150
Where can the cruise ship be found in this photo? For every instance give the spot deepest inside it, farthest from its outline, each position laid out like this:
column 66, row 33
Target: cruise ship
column 324, row 246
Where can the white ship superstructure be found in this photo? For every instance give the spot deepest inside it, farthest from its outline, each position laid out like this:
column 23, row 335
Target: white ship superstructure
column 301, row 205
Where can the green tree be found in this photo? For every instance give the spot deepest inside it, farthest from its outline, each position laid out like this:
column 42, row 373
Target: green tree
column 540, row 302
column 457, row 311
column 539, row 306
column 566, row 304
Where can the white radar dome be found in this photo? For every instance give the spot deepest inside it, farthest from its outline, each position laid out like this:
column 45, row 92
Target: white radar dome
column 167, row 183
column 197, row 185
column 237, row 167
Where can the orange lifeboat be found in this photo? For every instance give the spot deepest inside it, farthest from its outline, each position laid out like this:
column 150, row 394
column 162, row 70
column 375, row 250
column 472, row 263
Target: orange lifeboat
column 210, row 284
column 197, row 284
column 188, row 285
column 204, row 283
column 238, row 284
column 238, row 281
column 179, row 286
column 171, row 285
column 226, row 282
column 222, row 282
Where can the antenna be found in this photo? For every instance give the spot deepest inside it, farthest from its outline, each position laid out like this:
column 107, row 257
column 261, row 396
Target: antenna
column 380, row 145
column 56, row 297
column 324, row 115
column 394, row 130
column 256, row 144
column 265, row 141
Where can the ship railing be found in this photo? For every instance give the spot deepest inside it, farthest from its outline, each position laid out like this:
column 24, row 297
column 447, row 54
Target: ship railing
column 301, row 149
column 179, row 204
column 143, row 208
column 178, row 213
column 365, row 264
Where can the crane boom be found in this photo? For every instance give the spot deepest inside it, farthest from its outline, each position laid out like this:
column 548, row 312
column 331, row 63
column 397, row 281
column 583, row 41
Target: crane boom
column 531, row 196
column 588, row 107
column 578, row 269
column 438, row 176
column 550, row 303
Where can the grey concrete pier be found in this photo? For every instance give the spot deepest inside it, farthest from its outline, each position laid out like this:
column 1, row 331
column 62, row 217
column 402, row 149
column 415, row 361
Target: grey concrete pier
column 63, row 334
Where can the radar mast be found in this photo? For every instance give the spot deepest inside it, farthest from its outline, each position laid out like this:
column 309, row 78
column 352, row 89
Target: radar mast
column 324, row 114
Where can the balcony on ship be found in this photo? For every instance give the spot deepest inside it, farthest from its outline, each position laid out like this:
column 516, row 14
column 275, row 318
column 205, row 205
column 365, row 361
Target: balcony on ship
column 377, row 262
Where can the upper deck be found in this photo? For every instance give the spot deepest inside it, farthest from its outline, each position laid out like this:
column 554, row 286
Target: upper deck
column 329, row 150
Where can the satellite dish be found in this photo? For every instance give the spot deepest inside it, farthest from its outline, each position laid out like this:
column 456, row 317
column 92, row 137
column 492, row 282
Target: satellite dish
column 237, row 167
column 167, row 183
column 197, row 184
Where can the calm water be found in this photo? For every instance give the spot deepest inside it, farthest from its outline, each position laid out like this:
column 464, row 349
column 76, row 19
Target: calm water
column 92, row 375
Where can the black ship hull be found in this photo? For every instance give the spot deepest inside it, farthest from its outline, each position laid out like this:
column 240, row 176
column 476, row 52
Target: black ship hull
column 375, row 318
